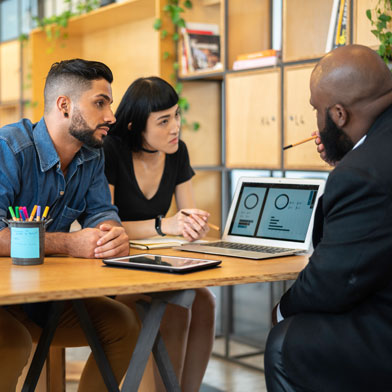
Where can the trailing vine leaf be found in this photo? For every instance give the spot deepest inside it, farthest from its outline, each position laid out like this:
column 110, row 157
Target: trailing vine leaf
column 380, row 19
column 196, row 126
column 174, row 11
column 55, row 25
column 158, row 24
column 178, row 87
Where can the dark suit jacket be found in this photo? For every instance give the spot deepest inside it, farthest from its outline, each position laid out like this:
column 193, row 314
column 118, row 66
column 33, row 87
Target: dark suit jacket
column 340, row 338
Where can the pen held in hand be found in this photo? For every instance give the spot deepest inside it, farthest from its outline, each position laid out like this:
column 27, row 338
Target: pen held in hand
column 300, row 142
column 211, row 226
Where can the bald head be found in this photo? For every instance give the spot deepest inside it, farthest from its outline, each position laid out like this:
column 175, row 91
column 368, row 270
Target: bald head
column 350, row 75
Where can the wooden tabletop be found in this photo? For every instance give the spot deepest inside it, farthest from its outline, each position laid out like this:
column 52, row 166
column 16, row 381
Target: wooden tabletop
column 68, row 278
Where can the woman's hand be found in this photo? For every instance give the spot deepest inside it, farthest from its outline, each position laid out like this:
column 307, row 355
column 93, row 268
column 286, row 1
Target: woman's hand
column 192, row 226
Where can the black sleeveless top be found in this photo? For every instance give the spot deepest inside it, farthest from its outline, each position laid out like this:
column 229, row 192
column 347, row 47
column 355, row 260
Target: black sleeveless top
column 131, row 202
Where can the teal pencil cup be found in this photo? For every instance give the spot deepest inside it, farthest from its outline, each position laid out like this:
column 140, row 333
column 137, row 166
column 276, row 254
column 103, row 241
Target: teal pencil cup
column 27, row 241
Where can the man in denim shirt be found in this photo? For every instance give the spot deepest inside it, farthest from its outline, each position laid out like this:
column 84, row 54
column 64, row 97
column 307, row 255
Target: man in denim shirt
column 59, row 162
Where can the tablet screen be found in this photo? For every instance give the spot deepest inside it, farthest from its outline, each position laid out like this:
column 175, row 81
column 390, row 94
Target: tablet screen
column 161, row 262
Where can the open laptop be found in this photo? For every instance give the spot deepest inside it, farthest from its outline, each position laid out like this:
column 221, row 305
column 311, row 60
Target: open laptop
column 268, row 217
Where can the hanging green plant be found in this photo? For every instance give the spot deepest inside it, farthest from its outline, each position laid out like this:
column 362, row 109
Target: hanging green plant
column 380, row 18
column 55, row 25
column 175, row 9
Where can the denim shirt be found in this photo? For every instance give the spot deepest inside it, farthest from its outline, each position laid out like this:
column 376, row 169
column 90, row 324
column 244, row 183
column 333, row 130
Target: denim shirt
column 30, row 174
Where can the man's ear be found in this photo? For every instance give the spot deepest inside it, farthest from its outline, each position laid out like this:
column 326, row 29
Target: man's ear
column 129, row 126
column 339, row 115
column 63, row 105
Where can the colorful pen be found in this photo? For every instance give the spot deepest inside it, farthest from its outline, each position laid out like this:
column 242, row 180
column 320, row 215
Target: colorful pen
column 33, row 212
column 46, row 210
column 22, row 214
column 38, row 213
column 26, row 214
column 12, row 213
column 17, row 213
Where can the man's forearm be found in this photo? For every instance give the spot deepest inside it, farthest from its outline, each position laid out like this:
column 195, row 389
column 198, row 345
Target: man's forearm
column 57, row 243
column 5, row 242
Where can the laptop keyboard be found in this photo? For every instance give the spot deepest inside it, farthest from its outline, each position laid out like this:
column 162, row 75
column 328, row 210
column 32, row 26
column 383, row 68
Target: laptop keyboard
column 252, row 248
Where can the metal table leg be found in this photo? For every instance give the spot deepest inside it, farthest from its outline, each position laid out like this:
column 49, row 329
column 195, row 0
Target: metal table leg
column 96, row 347
column 43, row 347
column 150, row 340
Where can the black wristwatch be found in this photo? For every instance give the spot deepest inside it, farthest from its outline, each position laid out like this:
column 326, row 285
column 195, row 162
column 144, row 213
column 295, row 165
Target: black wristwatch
column 158, row 223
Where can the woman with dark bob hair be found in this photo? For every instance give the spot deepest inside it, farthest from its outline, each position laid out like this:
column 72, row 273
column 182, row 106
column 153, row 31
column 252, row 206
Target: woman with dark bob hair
column 146, row 164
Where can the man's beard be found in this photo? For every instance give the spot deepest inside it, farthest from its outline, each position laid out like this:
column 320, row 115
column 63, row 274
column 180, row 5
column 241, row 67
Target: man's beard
column 336, row 143
column 81, row 131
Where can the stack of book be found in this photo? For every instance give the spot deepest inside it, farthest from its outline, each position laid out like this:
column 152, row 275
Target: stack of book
column 200, row 48
column 263, row 58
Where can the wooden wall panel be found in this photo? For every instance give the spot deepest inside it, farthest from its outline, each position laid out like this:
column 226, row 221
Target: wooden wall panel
column 300, row 120
column 10, row 71
column 253, row 120
column 130, row 50
column 305, row 28
column 248, row 27
column 204, row 144
column 207, row 189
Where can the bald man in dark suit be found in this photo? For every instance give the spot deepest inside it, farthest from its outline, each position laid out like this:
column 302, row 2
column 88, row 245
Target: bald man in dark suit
column 334, row 325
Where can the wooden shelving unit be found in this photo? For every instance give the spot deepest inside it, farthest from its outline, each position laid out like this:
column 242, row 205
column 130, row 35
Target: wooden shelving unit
column 263, row 109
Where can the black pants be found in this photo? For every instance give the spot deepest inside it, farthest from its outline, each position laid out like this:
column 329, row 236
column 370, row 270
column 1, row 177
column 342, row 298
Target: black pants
column 275, row 375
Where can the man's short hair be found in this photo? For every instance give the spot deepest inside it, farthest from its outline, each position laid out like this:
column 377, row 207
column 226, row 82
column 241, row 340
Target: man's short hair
column 72, row 78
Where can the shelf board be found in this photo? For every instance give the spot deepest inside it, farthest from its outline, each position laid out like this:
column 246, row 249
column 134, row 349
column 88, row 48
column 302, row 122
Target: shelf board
column 10, row 105
column 202, row 75
column 109, row 16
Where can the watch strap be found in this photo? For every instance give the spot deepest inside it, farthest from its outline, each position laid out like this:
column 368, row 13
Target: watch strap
column 158, row 224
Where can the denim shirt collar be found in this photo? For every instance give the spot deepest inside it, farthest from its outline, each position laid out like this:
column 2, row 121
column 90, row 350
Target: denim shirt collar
column 47, row 153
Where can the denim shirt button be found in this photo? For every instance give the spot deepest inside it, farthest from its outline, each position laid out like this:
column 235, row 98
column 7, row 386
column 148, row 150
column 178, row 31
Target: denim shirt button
column 61, row 193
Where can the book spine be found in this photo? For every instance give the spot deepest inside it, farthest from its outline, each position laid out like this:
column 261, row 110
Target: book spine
column 260, row 54
column 187, row 51
column 332, row 24
column 201, row 32
column 210, row 27
column 340, row 34
column 255, row 63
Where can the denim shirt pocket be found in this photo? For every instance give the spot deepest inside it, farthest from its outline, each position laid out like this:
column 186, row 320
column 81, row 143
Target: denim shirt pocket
column 69, row 215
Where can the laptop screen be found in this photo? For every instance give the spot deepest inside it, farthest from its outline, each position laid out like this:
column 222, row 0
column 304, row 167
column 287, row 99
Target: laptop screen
column 274, row 211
